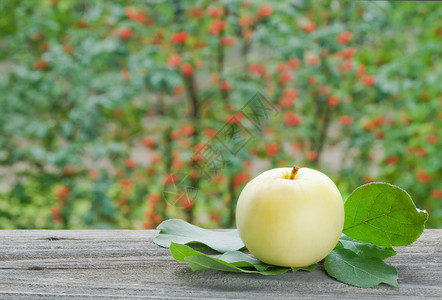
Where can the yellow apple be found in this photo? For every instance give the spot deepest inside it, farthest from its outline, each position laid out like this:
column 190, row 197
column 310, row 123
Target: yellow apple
column 290, row 217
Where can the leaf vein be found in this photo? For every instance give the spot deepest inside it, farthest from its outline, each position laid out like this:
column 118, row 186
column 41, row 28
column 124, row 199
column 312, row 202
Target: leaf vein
column 362, row 270
column 380, row 216
column 387, row 231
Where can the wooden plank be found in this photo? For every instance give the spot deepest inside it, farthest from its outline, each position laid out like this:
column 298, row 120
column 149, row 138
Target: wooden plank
column 108, row 264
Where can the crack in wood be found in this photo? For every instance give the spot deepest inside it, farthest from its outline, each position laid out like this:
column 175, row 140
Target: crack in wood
column 55, row 238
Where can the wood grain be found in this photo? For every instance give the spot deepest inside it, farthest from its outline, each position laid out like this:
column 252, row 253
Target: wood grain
column 125, row 264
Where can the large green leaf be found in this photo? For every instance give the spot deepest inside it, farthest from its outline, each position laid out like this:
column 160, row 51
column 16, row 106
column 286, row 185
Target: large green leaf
column 182, row 232
column 383, row 214
column 233, row 261
column 347, row 267
column 364, row 249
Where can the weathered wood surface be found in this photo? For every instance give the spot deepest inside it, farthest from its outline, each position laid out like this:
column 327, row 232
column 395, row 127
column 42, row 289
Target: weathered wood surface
column 109, row 264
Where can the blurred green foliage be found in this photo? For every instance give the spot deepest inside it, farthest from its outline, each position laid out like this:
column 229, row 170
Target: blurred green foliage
column 105, row 106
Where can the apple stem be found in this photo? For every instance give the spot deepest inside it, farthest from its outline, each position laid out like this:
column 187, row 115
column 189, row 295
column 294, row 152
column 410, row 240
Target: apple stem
column 294, row 171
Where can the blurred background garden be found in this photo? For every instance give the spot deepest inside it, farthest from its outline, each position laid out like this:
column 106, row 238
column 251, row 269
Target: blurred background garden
column 112, row 113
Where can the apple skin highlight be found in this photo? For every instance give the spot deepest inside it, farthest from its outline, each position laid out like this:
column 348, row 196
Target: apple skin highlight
column 290, row 222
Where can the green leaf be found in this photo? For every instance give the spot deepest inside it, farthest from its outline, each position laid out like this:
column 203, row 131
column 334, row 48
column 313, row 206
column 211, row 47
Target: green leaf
column 310, row 268
column 233, row 261
column 347, row 267
column 364, row 249
column 179, row 253
column 240, row 259
column 181, row 232
column 205, row 263
column 185, row 253
column 383, row 214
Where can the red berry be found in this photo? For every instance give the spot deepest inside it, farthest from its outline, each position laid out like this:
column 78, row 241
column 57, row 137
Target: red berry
column 348, row 53
column 333, row 101
column 179, row 37
column 285, row 77
column 187, row 69
column 309, row 27
column 312, row 60
column 312, row 155
column 257, row 69
column 153, row 199
column 286, row 102
column 177, row 164
column 272, row 149
column 126, row 183
column 134, row 15
column 130, row 164
column 215, row 12
column 170, row 179
column 245, row 21
column 148, row 142
column 422, row 176
column 294, row 63
column 62, row 191
column 437, row 194
column 240, row 178
column 209, row 132
column 125, row 33
column 186, row 202
column 187, row 129
column 264, row 11
column 391, row 160
column 346, row 120
column 432, row 139
column 224, row 86
column 290, row 93
column 234, row 119
column 347, row 65
column 368, row 80
column 174, row 60
column 344, row 37
column 56, row 214
column 217, row 26
column 196, row 12
column 292, row 119
column 40, row 64
column 227, row 40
